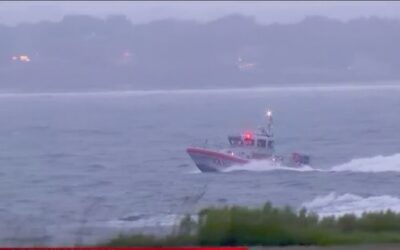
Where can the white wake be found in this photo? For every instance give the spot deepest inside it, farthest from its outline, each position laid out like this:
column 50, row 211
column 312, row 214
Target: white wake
column 373, row 164
column 336, row 205
column 266, row 165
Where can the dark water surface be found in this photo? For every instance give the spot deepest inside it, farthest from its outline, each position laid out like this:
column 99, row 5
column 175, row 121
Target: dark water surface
column 79, row 167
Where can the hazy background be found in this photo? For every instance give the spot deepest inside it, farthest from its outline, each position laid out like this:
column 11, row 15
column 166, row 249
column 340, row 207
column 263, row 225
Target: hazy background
column 75, row 46
column 266, row 12
column 81, row 167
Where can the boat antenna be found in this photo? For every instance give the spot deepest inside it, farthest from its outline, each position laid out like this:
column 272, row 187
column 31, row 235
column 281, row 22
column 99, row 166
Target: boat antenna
column 270, row 122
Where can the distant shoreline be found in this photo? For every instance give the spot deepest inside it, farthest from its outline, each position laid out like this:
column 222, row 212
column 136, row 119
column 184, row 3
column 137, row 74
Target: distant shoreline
column 270, row 88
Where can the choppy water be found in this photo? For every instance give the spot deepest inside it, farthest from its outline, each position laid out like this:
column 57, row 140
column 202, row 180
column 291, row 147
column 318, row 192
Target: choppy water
column 76, row 168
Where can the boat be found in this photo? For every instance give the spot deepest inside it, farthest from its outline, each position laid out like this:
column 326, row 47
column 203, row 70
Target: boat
column 243, row 149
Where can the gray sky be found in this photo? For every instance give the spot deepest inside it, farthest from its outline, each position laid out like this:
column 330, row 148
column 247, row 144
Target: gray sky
column 141, row 12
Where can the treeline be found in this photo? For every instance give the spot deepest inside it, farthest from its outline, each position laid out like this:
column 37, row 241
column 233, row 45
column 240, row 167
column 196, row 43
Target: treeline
column 82, row 52
column 271, row 226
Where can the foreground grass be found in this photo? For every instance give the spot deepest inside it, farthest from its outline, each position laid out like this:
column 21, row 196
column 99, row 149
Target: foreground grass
column 270, row 226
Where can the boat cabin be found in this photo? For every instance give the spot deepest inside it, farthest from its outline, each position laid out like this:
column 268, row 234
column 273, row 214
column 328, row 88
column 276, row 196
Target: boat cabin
column 248, row 140
column 259, row 144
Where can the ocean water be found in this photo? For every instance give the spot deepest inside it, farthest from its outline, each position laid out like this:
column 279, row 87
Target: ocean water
column 80, row 167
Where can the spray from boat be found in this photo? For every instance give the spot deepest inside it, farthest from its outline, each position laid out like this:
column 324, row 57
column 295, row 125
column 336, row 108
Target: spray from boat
column 375, row 164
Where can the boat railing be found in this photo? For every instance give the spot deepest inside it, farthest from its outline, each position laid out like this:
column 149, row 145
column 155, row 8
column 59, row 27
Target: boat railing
column 209, row 144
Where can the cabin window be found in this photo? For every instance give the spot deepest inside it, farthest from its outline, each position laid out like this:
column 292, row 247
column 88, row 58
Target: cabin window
column 261, row 143
column 236, row 141
column 249, row 142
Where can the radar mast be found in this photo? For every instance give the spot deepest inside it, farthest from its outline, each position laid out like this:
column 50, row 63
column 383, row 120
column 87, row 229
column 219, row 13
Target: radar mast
column 270, row 123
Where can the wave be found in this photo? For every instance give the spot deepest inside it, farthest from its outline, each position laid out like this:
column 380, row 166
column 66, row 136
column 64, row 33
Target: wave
column 161, row 220
column 195, row 171
column 374, row 164
column 266, row 165
column 337, row 205
column 287, row 88
column 332, row 204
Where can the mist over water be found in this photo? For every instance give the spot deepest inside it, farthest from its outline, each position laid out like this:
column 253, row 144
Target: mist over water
column 80, row 167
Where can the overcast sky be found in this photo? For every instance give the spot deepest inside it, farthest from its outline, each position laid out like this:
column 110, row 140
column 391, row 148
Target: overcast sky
column 12, row 13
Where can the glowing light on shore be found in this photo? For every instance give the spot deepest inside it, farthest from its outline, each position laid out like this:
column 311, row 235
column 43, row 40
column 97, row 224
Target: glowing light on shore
column 21, row 58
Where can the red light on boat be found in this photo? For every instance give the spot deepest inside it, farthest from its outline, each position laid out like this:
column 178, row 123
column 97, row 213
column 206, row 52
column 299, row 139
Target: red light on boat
column 247, row 135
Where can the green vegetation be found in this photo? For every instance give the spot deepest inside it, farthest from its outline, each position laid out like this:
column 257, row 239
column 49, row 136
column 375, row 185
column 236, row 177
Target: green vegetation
column 270, row 226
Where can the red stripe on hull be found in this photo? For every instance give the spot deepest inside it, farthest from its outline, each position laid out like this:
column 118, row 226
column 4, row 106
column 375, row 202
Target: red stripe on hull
column 216, row 154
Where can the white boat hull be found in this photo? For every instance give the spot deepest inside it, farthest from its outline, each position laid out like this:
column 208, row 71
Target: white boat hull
column 213, row 161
